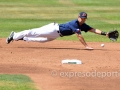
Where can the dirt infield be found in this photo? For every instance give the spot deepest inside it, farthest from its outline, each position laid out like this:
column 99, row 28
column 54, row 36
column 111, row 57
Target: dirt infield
column 42, row 62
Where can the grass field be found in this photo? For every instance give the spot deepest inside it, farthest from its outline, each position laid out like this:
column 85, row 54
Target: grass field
column 16, row 82
column 19, row 15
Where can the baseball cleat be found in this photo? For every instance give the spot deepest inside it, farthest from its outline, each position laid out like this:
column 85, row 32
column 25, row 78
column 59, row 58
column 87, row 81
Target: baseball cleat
column 10, row 38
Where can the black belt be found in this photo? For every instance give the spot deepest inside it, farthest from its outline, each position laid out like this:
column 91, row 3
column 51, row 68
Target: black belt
column 60, row 33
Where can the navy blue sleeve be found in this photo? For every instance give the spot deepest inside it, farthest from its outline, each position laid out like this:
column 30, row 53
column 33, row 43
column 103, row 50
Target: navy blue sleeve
column 85, row 27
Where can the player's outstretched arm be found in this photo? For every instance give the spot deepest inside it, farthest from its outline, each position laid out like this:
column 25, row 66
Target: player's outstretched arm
column 97, row 31
column 80, row 37
column 112, row 35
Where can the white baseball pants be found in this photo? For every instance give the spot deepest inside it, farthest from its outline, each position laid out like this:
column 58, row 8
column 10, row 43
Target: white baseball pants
column 43, row 34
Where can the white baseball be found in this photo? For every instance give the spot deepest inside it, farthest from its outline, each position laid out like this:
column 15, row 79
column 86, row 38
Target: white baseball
column 102, row 45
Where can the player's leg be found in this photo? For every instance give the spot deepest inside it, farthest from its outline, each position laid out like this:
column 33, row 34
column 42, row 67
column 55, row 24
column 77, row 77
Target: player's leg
column 17, row 36
column 45, row 31
column 49, row 31
column 38, row 39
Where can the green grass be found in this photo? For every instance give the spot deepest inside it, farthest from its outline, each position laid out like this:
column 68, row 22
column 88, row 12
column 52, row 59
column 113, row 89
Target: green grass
column 16, row 82
column 18, row 15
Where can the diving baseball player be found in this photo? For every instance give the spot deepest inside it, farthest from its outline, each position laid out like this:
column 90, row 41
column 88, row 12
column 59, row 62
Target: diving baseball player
column 54, row 30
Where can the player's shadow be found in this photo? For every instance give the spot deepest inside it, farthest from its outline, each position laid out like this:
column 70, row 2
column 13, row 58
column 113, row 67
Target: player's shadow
column 61, row 48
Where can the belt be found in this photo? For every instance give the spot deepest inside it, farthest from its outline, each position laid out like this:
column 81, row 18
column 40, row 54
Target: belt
column 58, row 30
column 60, row 33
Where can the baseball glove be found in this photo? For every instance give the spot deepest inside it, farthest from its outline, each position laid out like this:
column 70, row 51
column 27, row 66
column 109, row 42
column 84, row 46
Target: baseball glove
column 113, row 35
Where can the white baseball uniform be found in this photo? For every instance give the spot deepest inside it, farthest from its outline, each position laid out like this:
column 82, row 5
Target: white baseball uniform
column 43, row 34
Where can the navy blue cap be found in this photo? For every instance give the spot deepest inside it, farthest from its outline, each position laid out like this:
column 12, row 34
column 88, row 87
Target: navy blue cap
column 83, row 15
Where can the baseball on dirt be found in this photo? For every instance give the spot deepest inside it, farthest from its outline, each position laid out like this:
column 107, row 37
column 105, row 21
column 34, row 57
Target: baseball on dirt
column 102, row 45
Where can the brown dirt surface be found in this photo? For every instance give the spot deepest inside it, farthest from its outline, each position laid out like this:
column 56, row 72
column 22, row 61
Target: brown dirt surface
column 42, row 63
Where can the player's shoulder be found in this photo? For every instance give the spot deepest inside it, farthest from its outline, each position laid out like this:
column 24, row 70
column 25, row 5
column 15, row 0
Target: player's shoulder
column 73, row 22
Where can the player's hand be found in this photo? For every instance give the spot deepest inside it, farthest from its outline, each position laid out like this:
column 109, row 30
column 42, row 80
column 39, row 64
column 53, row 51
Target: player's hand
column 89, row 48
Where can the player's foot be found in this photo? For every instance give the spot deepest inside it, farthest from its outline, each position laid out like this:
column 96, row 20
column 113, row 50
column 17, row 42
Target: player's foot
column 10, row 38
